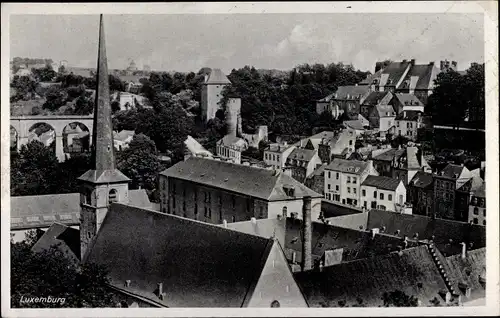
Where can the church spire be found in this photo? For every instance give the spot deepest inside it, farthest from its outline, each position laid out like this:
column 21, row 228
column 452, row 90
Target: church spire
column 103, row 167
column 103, row 154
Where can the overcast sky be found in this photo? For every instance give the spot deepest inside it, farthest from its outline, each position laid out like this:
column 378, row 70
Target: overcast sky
column 227, row 41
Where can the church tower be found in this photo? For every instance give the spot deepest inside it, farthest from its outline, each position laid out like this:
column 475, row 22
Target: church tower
column 103, row 184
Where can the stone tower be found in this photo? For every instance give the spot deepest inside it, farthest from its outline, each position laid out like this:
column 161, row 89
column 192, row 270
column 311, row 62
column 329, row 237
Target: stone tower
column 211, row 93
column 103, row 184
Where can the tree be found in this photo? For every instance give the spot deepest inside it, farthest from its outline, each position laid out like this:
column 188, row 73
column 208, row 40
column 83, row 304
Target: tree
column 55, row 98
column 34, row 170
column 84, row 105
column 50, row 273
column 24, row 88
column 45, row 74
column 398, row 298
column 70, row 170
column 115, row 84
column 140, row 162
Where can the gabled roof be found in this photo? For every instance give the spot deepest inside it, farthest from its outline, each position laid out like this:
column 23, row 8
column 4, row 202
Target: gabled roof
column 349, row 166
column 199, row 264
column 375, row 98
column 395, row 71
column 426, row 227
column 408, row 99
column 410, row 115
column 266, row 228
column 381, row 182
column 426, row 74
column 64, row 238
column 468, row 270
column 411, row 271
column 40, row 211
column 422, row 180
column 217, row 77
column 347, row 92
column 385, row 111
column 249, row 181
column 302, row 154
column 123, row 135
column 451, row 171
column 354, row 124
column 232, row 141
column 390, row 154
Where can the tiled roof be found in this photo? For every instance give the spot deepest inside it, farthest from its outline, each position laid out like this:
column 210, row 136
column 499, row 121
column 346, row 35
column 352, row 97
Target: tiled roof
column 422, row 179
column 265, row 228
column 442, row 230
column 217, row 77
column 385, row 111
column 347, row 92
column 451, row 171
column 409, row 115
column 66, row 240
column 408, row 99
column 356, row 243
column 40, row 211
column 390, row 154
column 255, row 182
column 349, row 166
column 199, row 264
column 412, row 271
column 354, row 124
column 381, row 182
column 374, row 98
column 426, row 74
column 468, row 270
column 302, row 154
column 395, row 70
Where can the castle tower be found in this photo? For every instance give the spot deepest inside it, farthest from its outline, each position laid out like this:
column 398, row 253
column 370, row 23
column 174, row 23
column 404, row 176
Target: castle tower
column 211, row 93
column 233, row 117
column 103, row 184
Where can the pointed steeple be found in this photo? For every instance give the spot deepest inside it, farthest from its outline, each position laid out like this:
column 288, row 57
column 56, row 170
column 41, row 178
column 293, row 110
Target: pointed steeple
column 103, row 168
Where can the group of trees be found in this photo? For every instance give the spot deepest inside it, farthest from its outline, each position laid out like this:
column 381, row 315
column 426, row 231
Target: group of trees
column 286, row 103
column 457, row 97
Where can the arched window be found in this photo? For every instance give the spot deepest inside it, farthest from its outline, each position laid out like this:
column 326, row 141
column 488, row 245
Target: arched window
column 113, row 196
column 88, row 196
column 285, row 211
column 275, row 304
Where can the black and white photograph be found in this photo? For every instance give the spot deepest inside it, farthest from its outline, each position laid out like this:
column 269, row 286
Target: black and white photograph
column 250, row 155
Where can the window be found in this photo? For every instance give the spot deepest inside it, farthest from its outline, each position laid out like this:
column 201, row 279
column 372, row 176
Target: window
column 234, row 202
column 88, row 197
column 476, row 211
column 348, row 190
column 365, row 204
column 285, row 211
column 112, row 197
column 184, row 206
column 261, row 213
column 389, row 197
column 337, row 187
column 220, row 200
column 350, row 142
column 329, row 174
column 484, row 222
column 337, row 176
column 399, row 132
column 397, row 125
column 363, row 192
column 476, row 221
column 354, row 180
column 381, row 196
column 329, row 186
column 348, row 179
column 354, row 190
column 484, row 212
column 374, row 194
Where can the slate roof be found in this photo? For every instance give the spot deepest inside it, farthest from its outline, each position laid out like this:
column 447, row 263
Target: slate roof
column 390, row 154
column 64, row 238
column 385, row 111
column 40, row 211
column 408, row 99
column 451, row 171
column 302, row 154
column 411, row 115
column 217, row 77
column 468, row 270
column 426, row 74
column 369, row 79
column 349, row 166
column 353, row 91
column 412, row 271
column 442, row 230
column 265, row 228
column 381, row 182
column 395, row 70
column 104, row 176
column 250, row 181
column 199, row 264
column 374, row 98
column 422, row 180
column 354, row 124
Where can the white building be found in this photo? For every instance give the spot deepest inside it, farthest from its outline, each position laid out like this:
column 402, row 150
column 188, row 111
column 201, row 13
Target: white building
column 122, row 139
column 407, row 124
column 383, row 193
column 276, row 154
column 230, row 148
column 477, row 206
column 343, row 180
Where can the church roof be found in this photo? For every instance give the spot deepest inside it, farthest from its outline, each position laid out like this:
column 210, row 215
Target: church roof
column 217, row 77
column 249, row 181
column 64, row 238
column 104, row 176
column 199, row 264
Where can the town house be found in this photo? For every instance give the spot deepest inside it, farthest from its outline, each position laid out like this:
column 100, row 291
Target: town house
column 477, row 206
column 404, row 101
column 373, row 100
column 230, row 148
column 302, row 162
column 276, row 154
column 382, row 118
column 383, row 193
column 336, row 144
column 346, row 100
column 420, row 193
column 407, row 124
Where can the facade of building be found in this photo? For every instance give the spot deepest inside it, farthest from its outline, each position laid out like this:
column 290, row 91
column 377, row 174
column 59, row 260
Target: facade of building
column 374, row 99
column 407, row 124
column 383, row 193
column 339, row 144
column 346, row 100
column 477, row 206
column 402, row 101
column 448, row 202
column 420, row 193
column 211, row 93
column 213, row 191
column 382, row 117
column 230, row 148
column 302, row 162
column 123, row 138
column 343, row 179
column 276, row 154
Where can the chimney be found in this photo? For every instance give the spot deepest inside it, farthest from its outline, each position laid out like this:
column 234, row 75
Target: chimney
column 225, row 223
column 306, row 234
column 205, row 79
column 464, row 250
column 404, row 114
column 160, row 289
column 412, row 61
column 127, row 283
column 431, row 63
column 253, row 220
column 374, row 232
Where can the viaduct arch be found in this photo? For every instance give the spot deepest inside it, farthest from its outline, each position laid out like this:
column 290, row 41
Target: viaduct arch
column 22, row 125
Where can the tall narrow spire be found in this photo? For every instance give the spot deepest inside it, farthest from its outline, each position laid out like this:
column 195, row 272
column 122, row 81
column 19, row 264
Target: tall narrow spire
column 103, row 167
column 103, row 154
